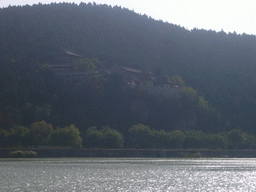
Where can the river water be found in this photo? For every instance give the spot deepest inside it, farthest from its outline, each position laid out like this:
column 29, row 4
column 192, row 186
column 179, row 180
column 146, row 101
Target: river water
column 127, row 174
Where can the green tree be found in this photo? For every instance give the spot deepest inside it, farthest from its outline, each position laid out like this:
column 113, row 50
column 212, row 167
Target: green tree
column 177, row 139
column 140, row 136
column 105, row 138
column 19, row 136
column 4, row 138
column 159, row 139
column 214, row 141
column 85, row 65
column 190, row 94
column 203, row 105
column 112, row 138
column 235, row 138
column 248, row 140
column 193, row 139
column 68, row 136
column 94, row 138
column 40, row 133
column 177, row 80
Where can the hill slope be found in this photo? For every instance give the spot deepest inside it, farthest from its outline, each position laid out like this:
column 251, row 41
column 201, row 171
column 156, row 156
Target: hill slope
column 219, row 66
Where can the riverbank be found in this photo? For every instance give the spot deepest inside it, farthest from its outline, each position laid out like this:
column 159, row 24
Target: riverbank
column 75, row 152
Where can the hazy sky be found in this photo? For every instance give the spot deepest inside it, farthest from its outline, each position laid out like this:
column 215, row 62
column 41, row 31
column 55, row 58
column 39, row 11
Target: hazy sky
column 239, row 16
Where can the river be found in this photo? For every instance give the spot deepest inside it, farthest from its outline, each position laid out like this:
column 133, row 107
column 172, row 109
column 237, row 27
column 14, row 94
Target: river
column 128, row 174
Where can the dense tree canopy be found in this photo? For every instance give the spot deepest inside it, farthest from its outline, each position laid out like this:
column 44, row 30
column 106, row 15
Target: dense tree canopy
column 68, row 136
column 214, row 71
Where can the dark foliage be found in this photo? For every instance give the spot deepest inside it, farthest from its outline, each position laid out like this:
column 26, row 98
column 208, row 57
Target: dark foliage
column 219, row 67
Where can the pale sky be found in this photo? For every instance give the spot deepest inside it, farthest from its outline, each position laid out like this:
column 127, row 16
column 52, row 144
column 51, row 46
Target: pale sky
column 239, row 16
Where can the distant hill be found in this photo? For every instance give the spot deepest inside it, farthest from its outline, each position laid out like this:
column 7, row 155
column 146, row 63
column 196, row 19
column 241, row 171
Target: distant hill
column 220, row 66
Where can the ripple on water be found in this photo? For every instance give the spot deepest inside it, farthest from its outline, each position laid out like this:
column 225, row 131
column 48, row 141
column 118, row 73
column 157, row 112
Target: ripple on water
column 128, row 174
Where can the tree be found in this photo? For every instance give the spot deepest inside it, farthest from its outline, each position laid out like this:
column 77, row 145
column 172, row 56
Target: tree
column 193, row 139
column 160, row 139
column 177, row 139
column 190, row 94
column 112, row 138
column 68, row 136
column 4, row 138
column 248, row 140
column 40, row 133
column 214, row 141
column 235, row 138
column 140, row 136
column 105, row 138
column 85, row 65
column 19, row 136
column 177, row 80
column 93, row 138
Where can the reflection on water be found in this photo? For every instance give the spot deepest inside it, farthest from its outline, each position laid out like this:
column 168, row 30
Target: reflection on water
column 127, row 174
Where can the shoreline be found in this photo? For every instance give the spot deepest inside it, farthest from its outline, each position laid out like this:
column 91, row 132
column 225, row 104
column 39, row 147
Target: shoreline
column 84, row 152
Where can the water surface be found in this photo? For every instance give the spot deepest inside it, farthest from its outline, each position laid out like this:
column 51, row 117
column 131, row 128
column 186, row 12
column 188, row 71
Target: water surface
column 127, row 174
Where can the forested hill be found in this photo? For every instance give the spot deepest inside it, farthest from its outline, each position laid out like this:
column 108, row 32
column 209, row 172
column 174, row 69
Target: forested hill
column 220, row 66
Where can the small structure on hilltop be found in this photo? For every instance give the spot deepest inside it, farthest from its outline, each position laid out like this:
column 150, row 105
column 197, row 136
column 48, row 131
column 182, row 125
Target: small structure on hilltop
column 160, row 85
column 64, row 64
column 164, row 87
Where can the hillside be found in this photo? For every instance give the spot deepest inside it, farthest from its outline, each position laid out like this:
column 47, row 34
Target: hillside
column 219, row 66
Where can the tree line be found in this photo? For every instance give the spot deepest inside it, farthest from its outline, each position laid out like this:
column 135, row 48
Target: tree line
column 139, row 137
column 40, row 134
